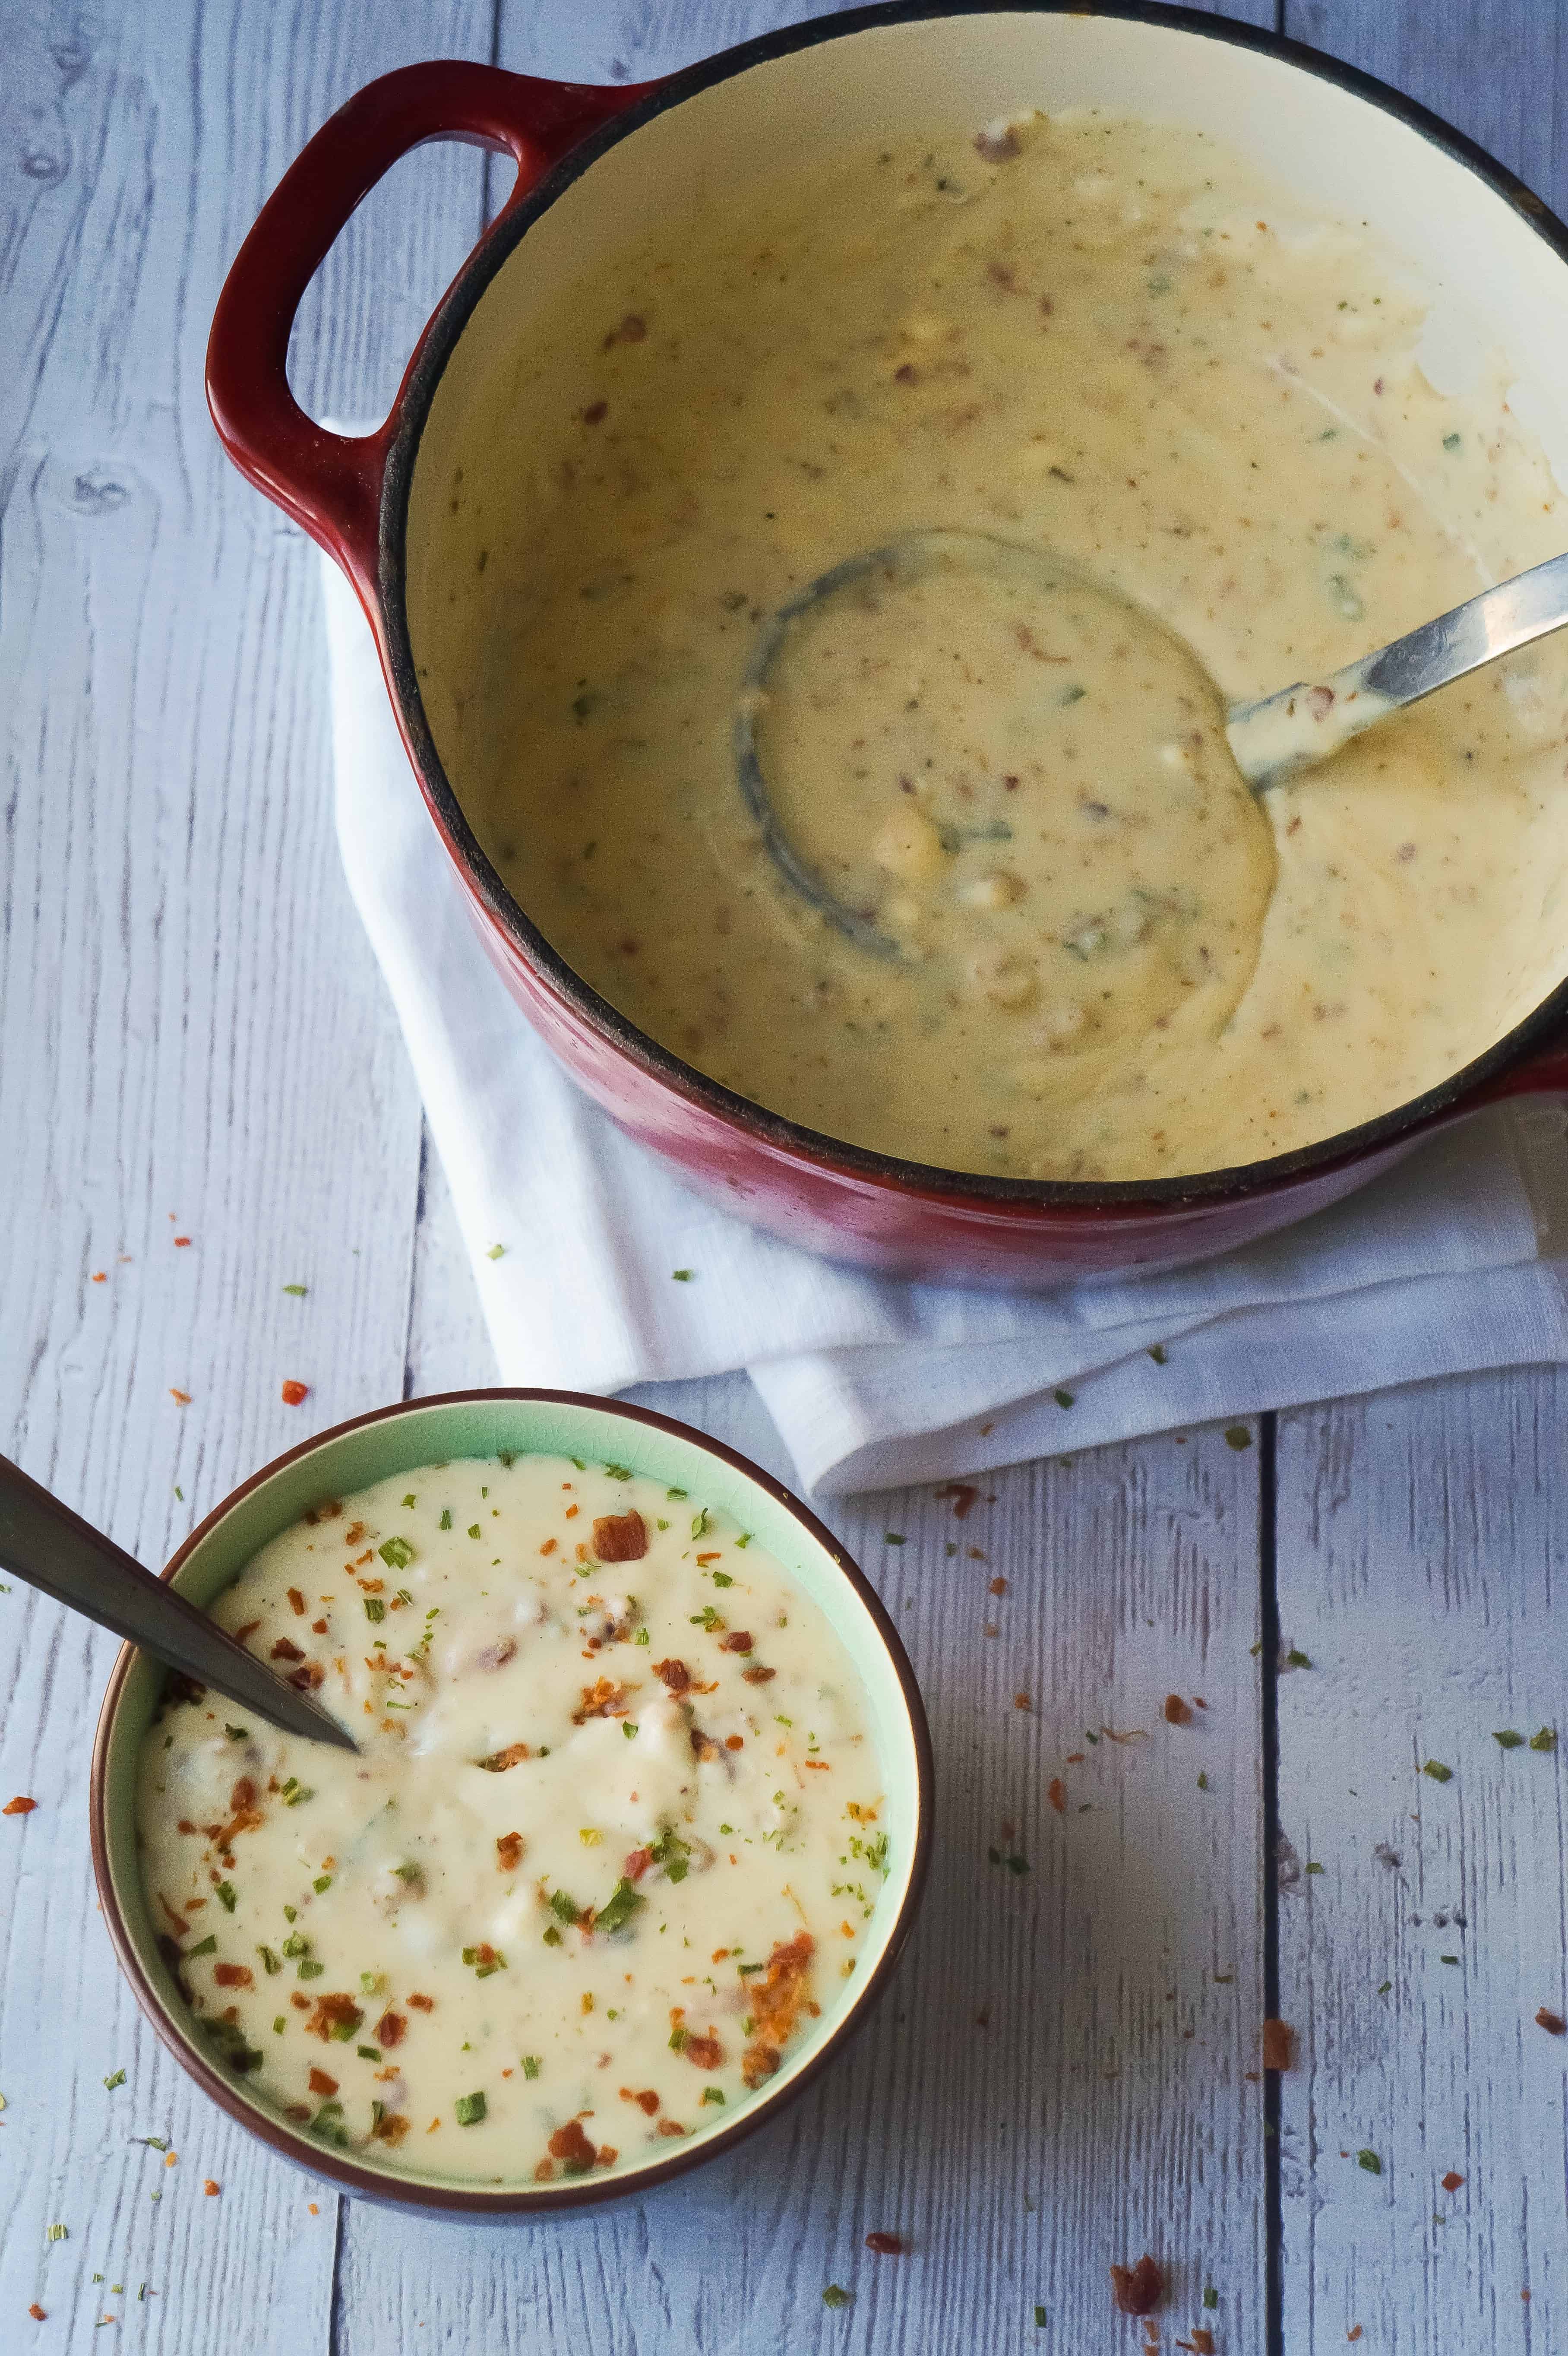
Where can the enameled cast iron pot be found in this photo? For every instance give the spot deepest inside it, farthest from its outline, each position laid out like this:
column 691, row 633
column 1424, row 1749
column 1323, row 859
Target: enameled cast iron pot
column 594, row 166
column 400, row 1440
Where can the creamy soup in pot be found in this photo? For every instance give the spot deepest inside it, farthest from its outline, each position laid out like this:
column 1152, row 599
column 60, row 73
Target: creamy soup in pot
column 1086, row 951
column 604, row 1862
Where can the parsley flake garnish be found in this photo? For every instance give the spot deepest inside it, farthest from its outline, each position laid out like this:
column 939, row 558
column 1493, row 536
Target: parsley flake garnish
column 836, row 2296
column 565, row 1909
column 1210, row 2295
column 722, row 1578
column 1298, row 1660
column 1507, row 1739
column 1369, row 2161
column 322, row 1881
column 699, row 1521
column 618, row 1908
column 472, row 1529
column 1438, row 1773
column 236, row 1733
column 1237, row 1436
column 1545, row 1741
column 1064, row 1399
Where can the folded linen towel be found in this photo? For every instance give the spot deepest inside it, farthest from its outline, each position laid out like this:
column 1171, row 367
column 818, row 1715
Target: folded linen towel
column 1449, row 1262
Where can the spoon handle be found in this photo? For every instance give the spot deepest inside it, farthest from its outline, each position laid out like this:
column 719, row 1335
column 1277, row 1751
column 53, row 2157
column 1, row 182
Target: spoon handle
column 58, row 1553
column 1285, row 734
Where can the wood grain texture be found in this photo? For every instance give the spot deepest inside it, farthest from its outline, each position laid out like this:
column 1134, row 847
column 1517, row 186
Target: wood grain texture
column 192, row 1025
column 1420, row 1567
column 1057, row 2079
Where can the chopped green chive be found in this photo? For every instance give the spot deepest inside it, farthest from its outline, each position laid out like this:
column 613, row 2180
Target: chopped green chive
column 269, row 1962
column 894, row 1537
column 208, row 1946
column 1202, row 1781
column 296, row 1944
column 322, row 1881
column 396, row 1553
column 300, row 1791
column 618, row 1908
column 677, row 2040
column 375, row 1610
column 225, row 1894
column 1448, row 1959
column 1384, row 1987
column 1210, row 2295
column 407, row 1872
column 617, row 1472
column 496, row 1252
column 1237, row 1436
column 117, row 2078
column 699, row 1521
column 628, row 1729
column 641, row 1637
column 1438, row 1773
column 1452, row 441
column 563, row 1908
column 309, row 1970
column 530, row 2065
column 1313, row 1866
column 446, row 1518
column 298, row 1291
column 1369, row 2161
column 681, row 1275
column 744, row 1539
column 1298, row 1660
column 675, row 1493
column 470, row 2110
column 1039, row 2316
column 1063, row 1398
column 472, row 1529
column 1158, row 1355
column 1507, row 1739
column 58, row 2232
column 713, row 2093
column 1545, row 1741
column 235, row 1733
column 836, row 2296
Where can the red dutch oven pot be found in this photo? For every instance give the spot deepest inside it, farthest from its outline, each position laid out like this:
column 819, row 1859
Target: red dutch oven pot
column 597, row 166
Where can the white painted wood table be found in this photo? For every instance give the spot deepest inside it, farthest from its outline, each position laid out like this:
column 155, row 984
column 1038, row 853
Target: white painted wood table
column 195, row 1043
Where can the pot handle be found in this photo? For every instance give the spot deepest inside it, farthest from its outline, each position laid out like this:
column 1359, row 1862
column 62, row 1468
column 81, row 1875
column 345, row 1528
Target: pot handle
column 330, row 482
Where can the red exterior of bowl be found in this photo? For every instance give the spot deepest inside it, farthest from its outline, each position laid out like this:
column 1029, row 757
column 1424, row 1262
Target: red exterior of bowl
column 352, row 497
column 475, row 2203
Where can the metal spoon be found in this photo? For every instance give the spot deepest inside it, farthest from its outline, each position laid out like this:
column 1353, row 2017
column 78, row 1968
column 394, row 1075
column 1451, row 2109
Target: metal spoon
column 1272, row 740
column 58, row 1553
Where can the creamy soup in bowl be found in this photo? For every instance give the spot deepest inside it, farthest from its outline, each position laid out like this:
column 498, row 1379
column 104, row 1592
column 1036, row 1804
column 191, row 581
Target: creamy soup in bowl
column 1089, row 335
column 634, row 1827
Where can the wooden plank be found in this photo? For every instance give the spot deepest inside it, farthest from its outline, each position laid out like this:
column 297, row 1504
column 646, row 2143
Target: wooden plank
column 1057, row 2080
column 1420, row 1563
column 1416, row 1568
column 192, row 1025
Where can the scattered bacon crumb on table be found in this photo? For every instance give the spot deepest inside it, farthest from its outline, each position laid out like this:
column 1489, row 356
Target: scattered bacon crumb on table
column 1176, row 1711
column 1553, row 2022
column 886, row 2246
column 1279, row 2039
column 19, row 1806
column 1453, row 2181
column 1137, row 2290
column 293, row 1394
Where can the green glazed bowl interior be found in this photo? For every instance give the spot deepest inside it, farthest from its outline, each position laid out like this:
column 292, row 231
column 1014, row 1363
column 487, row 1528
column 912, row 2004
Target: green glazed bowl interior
column 486, row 1423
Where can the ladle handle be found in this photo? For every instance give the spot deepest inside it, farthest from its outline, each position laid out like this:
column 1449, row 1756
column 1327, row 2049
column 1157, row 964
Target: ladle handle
column 62, row 1555
column 330, row 482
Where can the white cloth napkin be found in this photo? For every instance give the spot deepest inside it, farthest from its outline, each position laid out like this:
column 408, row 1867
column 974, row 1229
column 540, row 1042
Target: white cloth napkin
column 1447, row 1263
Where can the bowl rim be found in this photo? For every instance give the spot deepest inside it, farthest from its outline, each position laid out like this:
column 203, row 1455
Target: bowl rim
column 481, row 2200
column 864, row 1166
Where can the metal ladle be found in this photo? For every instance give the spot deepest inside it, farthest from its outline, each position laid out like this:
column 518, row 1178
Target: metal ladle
column 58, row 1553
column 1276, row 738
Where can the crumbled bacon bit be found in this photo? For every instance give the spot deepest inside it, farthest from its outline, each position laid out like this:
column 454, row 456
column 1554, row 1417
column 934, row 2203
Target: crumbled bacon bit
column 388, row 2030
column 604, row 1698
column 294, row 1394
column 321, row 2082
column 775, row 1999
column 1202, row 2342
column 886, row 2246
column 596, row 414
column 423, row 2003
column 756, row 1674
column 1452, row 2181
column 1057, row 1795
column 906, row 375
column 1552, row 2022
column 965, row 1496
column 737, row 1641
column 39, row 2314
column 704, row 2052
column 308, row 1677
column 297, row 1601
column 1279, row 2039
column 319, row 1626
column 333, row 2012
column 249, row 1630
column 1354, row 2334
column 996, row 146
column 675, row 1675
column 232, row 1975
column 1020, row 1701
column 647, row 2100
column 182, row 1397
column 631, row 331
column 508, row 1852
column 1176, row 1711
column 619, row 1537
column 670, row 2128
column 570, row 2144
column 549, row 1546
column 285, row 1649
column 391, row 2129
column 638, row 1863
column 1137, row 2290
column 734, row 1742
column 999, row 1587
column 19, row 1806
